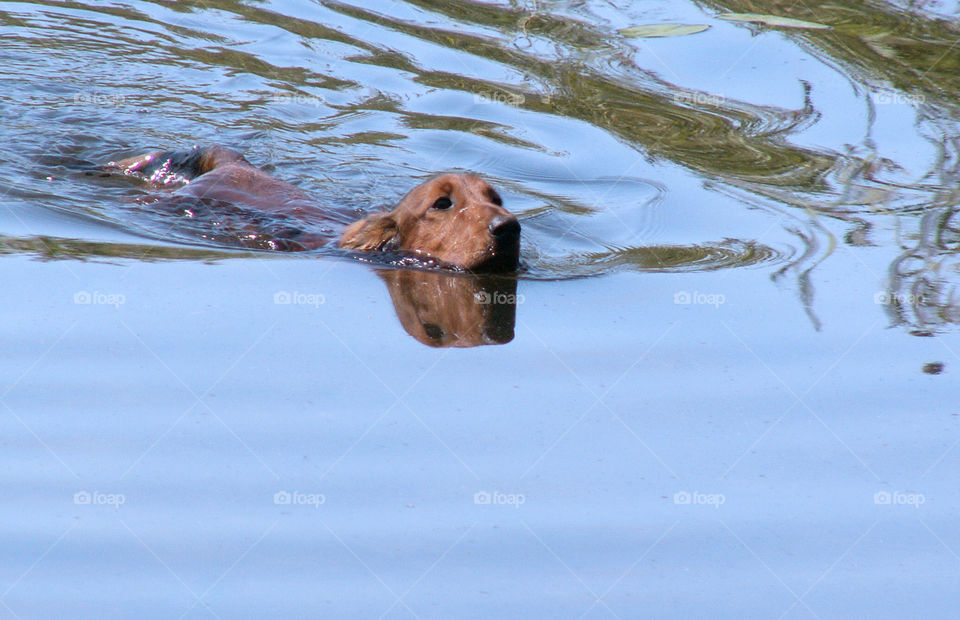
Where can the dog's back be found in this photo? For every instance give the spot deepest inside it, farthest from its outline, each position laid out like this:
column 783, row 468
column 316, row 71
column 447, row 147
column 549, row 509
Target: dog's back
column 239, row 203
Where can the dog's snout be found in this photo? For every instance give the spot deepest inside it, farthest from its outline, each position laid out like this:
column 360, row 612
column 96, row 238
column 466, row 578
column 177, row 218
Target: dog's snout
column 504, row 227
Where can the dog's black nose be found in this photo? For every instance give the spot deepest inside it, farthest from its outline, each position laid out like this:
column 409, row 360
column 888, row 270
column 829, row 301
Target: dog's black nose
column 505, row 227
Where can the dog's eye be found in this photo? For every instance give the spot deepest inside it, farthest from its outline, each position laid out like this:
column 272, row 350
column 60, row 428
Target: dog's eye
column 494, row 197
column 443, row 203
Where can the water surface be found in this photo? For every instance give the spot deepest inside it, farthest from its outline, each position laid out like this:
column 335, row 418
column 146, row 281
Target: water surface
column 720, row 385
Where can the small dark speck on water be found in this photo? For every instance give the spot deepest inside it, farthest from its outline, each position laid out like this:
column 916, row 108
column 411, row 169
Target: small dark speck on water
column 933, row 368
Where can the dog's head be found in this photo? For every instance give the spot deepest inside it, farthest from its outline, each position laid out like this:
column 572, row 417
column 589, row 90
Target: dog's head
column 456, row 219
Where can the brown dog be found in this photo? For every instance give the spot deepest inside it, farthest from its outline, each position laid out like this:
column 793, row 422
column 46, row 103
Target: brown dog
column 455, row 219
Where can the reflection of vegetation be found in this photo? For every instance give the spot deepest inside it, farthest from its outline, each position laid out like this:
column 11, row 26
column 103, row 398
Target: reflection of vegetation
column 720, row 139
column 918, row 59
column 669, row 258
column 924, row 289
column 53, row 248
column 489, row 130
column 876, row 43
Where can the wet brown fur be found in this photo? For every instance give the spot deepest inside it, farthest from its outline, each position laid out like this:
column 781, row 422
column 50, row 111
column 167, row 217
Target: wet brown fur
column 474, row 232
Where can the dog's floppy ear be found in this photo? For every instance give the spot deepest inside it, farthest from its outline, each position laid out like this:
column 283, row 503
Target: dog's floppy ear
column 377, row 232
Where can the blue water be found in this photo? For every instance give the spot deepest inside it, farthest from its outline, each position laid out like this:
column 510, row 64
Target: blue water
column 673, row 430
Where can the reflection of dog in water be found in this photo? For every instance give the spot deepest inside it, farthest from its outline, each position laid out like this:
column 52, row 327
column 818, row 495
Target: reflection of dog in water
column 442, row 310
column 455, row 219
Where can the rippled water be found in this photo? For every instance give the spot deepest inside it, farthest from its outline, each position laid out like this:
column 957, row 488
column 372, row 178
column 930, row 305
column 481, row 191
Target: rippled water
column 331, row 126
column 734, row 329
